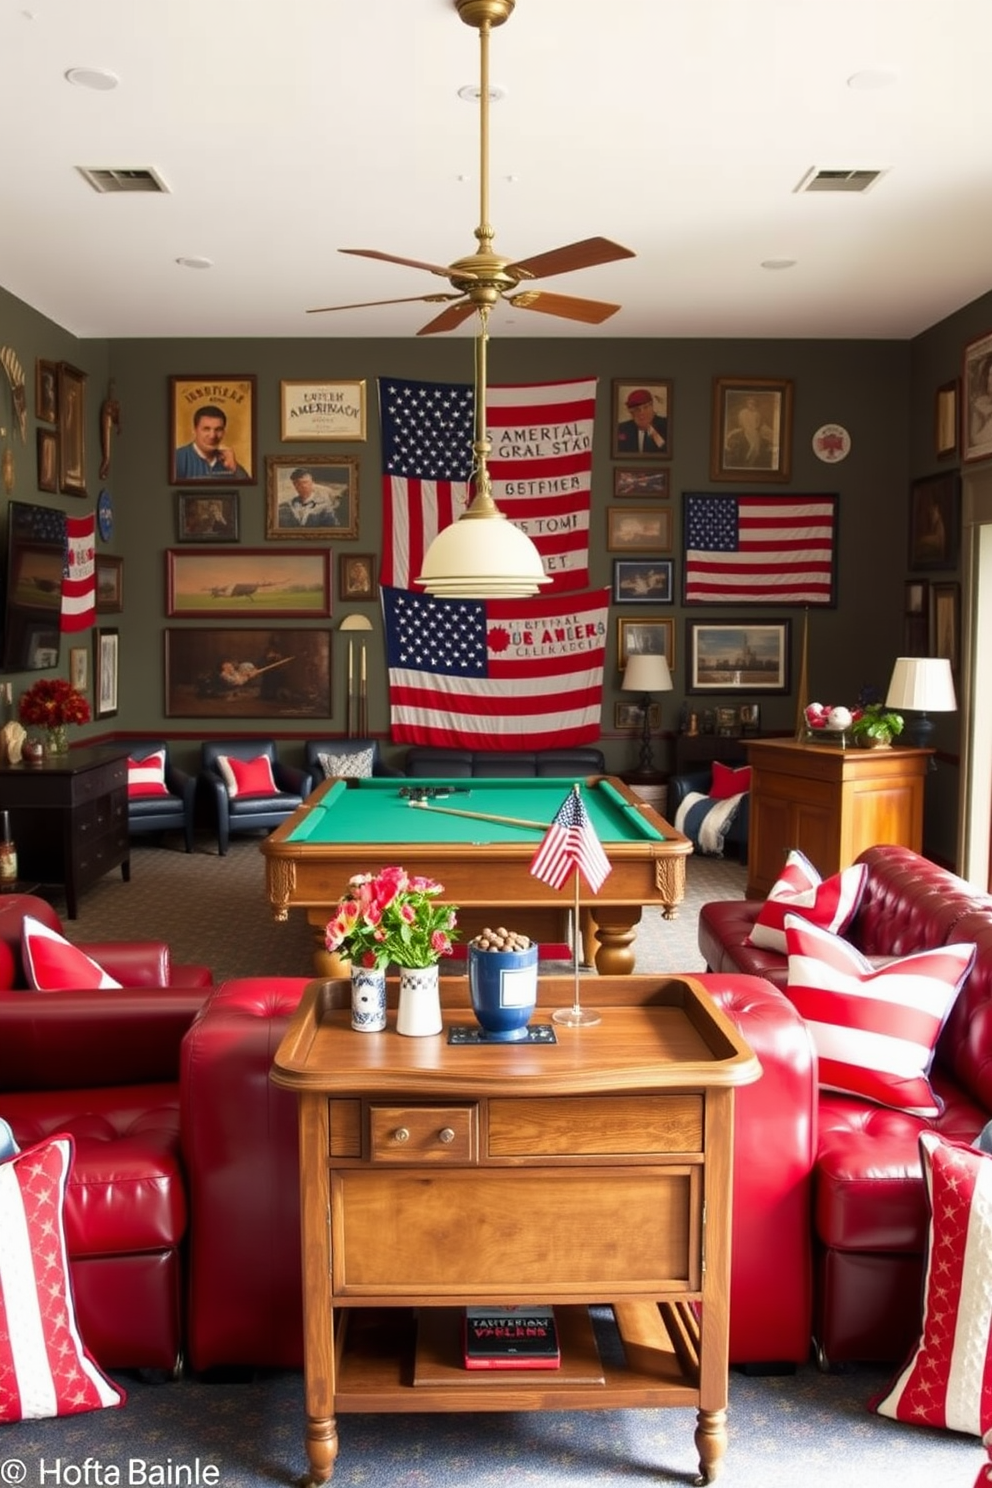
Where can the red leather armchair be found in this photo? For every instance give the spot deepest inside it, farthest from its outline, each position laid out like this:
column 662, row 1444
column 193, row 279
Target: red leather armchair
column 103, row 1066
column 239, row 1140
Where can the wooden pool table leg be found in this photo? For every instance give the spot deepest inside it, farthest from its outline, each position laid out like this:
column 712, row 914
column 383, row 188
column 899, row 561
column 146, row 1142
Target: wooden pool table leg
column 608, row 935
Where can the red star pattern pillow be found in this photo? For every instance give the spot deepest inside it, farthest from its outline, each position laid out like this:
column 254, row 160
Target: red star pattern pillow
column 247, row 777
column 146, row 777
column 45, row 1369
column 830, row 903
column 948, row 1379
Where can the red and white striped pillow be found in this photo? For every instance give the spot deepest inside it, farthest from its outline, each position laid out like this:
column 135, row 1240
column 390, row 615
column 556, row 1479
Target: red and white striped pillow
column 874, row 1029
column 948, row 1379
column 45, row 1369
column 830, row 903
column 146, row 777
column 247, row 777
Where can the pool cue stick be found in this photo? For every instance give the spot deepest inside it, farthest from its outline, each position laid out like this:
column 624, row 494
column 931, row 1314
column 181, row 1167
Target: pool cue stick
column 351, row 684
column 510, row 821
column 363, row 699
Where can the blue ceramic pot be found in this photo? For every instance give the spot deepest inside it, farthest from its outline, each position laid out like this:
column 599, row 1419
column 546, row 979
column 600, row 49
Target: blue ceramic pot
column 503, row 987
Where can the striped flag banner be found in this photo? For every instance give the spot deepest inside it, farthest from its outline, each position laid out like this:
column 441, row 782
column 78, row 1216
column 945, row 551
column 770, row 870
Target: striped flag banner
column 571, row 843
column 760, row 549
column 485, row 673
column 541, row 469
column 79, row 574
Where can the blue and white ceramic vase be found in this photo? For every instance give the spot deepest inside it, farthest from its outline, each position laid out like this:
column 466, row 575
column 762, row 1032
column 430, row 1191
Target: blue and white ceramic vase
column 419, row 1011
column 503, row 988
column 368, row 999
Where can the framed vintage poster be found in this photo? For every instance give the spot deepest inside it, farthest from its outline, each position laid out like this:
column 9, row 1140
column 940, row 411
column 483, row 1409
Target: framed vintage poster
column 106, row 658
column 737, row 656
column 203, row 517
column 945, row 420
column 629, row 717
column 945, row 626
column 935, row 521
column 976, row 394
column 311, row 496
column 71, row 397
column 751, row 432
column 212, row 430
column 629, row 481
column 109, row 584
column 227, row 673
column 643, row 581
column 641, row 415
column 357, row 576
column 638, row 529
column 204, row 583
column 79, row 668
column 320, row 410
column 648, row 636
column 46, row 398
column 48, row 459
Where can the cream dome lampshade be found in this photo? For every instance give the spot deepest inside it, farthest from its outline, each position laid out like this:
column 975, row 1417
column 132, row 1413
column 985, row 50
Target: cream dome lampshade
column 923, row 685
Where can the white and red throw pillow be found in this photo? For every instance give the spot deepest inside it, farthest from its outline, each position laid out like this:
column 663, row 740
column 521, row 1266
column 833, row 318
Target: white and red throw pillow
column 874, row 1028
column 830, row 903
column 947, row 1381
column 45, row 1369
column 146, row 777
column 247, row 777
column 52, row 964
column 729, row 780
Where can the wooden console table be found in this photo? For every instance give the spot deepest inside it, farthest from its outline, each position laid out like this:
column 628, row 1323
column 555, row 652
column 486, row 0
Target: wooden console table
column 434, row 1176
column 68, row 817
column 831, row 803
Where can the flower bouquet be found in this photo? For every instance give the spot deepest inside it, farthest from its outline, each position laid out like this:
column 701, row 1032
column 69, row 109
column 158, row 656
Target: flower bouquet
column 390, row 917
column 52, row 703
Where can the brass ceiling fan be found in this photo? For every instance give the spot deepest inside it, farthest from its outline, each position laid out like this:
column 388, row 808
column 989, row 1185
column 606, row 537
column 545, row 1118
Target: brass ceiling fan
column 484, row 277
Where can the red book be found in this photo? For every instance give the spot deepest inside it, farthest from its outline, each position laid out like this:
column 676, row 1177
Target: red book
column 511, row 1338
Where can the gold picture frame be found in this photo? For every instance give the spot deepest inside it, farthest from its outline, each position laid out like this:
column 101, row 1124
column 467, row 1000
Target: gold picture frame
column 751, row 431
column 72, row 430
column 322, row 410
column 212, row 430
column 650, row 636
column 639, row 529
column 311, row 497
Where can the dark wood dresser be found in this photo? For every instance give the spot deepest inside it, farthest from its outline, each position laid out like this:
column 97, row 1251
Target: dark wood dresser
column 68, row 817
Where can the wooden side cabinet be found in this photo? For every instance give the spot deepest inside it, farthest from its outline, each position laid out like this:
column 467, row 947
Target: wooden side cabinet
column 68, row 817
column 830, row 803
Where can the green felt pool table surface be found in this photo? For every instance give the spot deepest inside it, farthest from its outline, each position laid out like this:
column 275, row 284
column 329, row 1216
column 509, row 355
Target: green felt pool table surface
column 358, row 826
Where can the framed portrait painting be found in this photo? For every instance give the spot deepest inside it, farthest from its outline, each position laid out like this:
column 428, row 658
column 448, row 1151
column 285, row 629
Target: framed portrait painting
column 751, row 436
column 311, row 497
column 976, row 393
column 212, row 430
column 935, row 521
column 945, row 420
column 48, row 459
column 46, row 403
column 227, row 673
column 649, row 637
column 641, row 413
column 109, row 584
column 737, row 656
column 207, row 517
column 71, row 397
column 356, row 578
column 106, row 657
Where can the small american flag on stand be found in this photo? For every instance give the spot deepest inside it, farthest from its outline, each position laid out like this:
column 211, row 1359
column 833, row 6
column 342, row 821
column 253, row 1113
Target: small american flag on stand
column 571, row 842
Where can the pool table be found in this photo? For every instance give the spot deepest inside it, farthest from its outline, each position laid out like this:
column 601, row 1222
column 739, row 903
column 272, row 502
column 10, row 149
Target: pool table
column 352, row 826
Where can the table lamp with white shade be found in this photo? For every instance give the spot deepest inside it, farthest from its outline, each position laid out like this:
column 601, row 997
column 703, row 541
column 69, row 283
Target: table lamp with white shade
column 921, row 685
column 646, row 674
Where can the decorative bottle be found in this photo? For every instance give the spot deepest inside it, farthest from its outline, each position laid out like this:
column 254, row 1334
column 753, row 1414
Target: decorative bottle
column 8, row 853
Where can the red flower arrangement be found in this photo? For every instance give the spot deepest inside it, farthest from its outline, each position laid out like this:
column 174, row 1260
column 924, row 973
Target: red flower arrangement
column 52, row 703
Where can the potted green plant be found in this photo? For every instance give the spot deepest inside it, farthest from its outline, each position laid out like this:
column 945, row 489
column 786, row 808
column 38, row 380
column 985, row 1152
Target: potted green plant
column 875, row 725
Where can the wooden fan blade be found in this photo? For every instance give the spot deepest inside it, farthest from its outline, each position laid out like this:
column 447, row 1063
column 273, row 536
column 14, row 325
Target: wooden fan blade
column 448, row 319
column 411, row 263
column 584, row 255
column 591, row 312
column 427, row 299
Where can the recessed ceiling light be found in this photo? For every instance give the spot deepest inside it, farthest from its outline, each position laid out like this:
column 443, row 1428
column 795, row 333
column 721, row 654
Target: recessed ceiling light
column 97, row 78
column 778, row 263
column 195, row 263
column 873, row 77
column 471, row 93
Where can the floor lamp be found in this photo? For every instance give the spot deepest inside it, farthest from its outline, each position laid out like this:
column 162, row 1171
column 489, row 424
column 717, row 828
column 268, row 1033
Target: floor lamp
column 357, row 710
column 646, row 674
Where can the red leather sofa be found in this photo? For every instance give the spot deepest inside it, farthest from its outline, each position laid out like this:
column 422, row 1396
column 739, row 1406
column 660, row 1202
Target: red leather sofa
column 104, row 1066
column 239, row 1143
column 869, row 1206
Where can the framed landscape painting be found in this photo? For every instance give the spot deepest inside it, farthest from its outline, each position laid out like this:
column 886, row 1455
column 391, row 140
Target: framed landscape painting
column 288, row 584
column 741, row 656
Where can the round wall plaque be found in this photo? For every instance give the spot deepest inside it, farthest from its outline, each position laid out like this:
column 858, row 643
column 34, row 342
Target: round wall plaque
column 105, row 515
column 831, row 443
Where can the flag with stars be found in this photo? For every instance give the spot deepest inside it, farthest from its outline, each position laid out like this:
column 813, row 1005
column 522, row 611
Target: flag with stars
column 464, row 673
column 571, row 843
column 79, row 576
column 540, row 466
column 760, row 549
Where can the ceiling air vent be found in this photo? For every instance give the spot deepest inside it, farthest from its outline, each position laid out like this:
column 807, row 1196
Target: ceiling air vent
column 839, row 180
column 113, row 182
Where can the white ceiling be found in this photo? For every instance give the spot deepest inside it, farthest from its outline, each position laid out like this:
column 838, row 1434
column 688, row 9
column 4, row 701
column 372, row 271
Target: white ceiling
column 286, row 129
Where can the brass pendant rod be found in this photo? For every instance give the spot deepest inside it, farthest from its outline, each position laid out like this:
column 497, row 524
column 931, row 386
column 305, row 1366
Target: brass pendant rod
column 485, row 232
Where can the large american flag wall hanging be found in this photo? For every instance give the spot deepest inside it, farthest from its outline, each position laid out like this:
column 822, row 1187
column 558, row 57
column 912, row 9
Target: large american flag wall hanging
column 760, row 549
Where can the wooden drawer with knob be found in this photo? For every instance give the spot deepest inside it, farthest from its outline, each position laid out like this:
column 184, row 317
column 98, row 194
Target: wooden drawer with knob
column 424, row 1134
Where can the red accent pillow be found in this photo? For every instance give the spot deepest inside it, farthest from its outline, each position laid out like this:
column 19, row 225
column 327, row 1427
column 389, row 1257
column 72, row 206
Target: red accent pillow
column 52, row 964
column 146, row 777
column 830, row 903
column 728, row 782
column 947, row 1381
column 247, row 777
column 45, row 1368
column 874, row 1028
